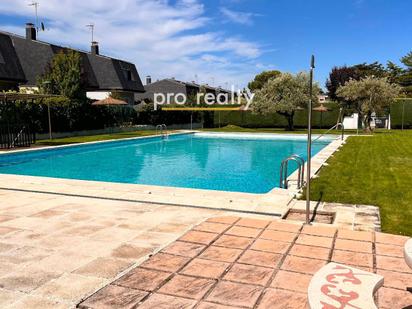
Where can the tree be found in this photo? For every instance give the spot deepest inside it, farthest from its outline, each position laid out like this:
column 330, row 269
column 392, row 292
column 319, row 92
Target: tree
column 338, row 77
column 64, row 76
column 368, row 95
column 405, row 80
column 284, row 95
column 372, row 69
column 394, row 72
column 261, row 79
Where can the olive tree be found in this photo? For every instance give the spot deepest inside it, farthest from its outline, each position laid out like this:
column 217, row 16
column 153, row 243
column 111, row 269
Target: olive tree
column 368, row 95
column 284, row 95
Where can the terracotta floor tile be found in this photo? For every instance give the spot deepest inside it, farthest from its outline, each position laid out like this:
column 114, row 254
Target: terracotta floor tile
column 285, row 226
column 205, row 268
column 396, row 280
column 186, row 249
column 165, row 262
column 279, row 299
column 208, row 305
column 389, row 250
column 260, row 258
column 233, row 242
column 225, row 220
column 221, row 254
column 104, row 267
column 251, row 274
column 316, row 241
column 391, row 298
column 211, row 227
column 198, row 237
column 235, row 294
column 161, row 301
column 355, row 235
column 278, row 235
column 187, row 287
column 392, row 263
column 310, row 252
column 115, row 297
column 353, row 245
column 243, row 231
column 319, row 230
column 130, row 251
column 255, row 223
column 143, row 279
column 353, row 258
column 303, row 265
column 390, row 239
column 291, row 281
column 270, row 246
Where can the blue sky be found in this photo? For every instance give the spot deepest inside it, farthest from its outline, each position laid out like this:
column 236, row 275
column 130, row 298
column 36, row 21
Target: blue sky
column 225, row 42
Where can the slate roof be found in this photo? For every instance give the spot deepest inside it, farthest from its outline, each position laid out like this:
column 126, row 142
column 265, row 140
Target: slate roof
column 10, row 68
column 33, row 56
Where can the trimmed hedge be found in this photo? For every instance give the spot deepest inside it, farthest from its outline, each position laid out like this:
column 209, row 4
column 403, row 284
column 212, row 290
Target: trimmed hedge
column 248, row 119
column 396, row 114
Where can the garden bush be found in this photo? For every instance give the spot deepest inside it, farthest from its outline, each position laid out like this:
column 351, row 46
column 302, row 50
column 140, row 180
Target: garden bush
column 399, row 107
column 249, row 120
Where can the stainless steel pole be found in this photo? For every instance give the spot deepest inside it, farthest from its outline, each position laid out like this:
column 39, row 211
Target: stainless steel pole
column 309, row 154
column 49, row 116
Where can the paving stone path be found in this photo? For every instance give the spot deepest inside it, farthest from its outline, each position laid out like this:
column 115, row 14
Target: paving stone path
column 232, row 262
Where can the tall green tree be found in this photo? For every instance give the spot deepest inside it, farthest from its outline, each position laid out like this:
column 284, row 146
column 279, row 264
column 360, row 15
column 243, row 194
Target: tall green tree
column 338, row 77
column 405, row 80
column 284, row 95
column 64, row 76
column 368, row 95
column 261, row 79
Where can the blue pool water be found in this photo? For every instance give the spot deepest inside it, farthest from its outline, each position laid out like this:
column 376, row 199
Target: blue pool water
column 233, row 162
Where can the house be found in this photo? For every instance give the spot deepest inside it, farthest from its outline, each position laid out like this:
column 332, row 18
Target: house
column 24, row 59
column 171, row 87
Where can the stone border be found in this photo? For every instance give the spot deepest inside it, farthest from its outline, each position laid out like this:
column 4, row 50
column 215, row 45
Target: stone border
column 274, row 203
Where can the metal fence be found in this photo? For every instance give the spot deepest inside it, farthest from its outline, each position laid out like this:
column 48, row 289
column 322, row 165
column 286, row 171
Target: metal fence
column 13, row 136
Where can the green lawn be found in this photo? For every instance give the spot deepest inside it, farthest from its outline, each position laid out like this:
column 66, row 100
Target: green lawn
column 93, row 138
column 373, row 170
column 232, row 128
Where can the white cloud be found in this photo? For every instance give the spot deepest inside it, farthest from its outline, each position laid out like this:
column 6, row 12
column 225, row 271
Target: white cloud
column 244, row 18
column 162, row 38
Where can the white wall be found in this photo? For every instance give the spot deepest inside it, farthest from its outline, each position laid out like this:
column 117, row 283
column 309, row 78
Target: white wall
column 97, row 95
column 351, row 122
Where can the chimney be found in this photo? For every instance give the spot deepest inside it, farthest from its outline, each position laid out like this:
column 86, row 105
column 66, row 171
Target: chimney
column 30, row 32
column 148, row 80
column 95, row 48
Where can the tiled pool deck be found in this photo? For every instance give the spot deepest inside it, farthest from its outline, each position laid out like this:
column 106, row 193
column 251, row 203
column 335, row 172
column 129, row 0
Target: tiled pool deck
column 232, row 262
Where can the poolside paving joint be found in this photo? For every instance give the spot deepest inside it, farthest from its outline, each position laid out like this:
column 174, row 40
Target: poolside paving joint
column 251, row 263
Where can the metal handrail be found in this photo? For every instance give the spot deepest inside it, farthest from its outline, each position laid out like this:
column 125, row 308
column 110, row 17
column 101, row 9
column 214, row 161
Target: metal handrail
column 17, row 137
column 162, row 128
column 283, row 183
column 336, row 126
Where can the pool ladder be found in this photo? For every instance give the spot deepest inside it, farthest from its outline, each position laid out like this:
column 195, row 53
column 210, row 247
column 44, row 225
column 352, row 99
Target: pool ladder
column 162, row 130
column 283, row 183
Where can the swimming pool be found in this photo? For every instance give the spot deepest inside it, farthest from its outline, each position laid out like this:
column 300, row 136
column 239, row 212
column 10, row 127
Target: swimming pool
column 215, row 161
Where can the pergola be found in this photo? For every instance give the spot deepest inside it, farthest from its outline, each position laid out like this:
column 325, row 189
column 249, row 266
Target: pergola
column 16, row 96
